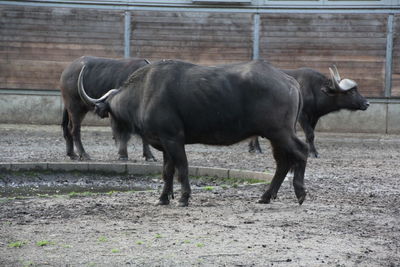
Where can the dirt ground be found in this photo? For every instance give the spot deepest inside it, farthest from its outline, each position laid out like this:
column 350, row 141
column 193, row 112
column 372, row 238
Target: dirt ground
column 351, row 216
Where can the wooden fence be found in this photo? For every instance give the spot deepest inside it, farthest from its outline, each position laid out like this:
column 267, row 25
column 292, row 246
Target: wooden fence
column 37, row 42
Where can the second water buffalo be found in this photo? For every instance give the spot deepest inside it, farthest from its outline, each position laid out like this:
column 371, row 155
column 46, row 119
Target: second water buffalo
column 321, row 95
column 102, row 75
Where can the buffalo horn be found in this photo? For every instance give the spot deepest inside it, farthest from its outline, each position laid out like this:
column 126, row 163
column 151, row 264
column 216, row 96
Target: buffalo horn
column 341, row 85
column 87, row 99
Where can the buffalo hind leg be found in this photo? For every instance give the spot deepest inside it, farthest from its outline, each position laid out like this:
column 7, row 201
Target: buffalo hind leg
column 176, row 152
column 67, row 127
column 298, row 182
column 168, row 177
column 76, row 120
column 289, row 153
column 254, row 145
column 282, row 168
column 147, row 152
column 308, row 128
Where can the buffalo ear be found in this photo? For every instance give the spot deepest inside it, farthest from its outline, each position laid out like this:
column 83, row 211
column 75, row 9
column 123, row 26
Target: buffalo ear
column 102, row 109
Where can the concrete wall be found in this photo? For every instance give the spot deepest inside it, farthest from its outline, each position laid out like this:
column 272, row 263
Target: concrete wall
column 46, row 108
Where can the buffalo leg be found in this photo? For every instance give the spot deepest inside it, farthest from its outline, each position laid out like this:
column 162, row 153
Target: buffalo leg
column 308, row 128
column 76, row 135
column 254, row 145
column 66, row 126
column 291, row 155
column 168, row 177
column 298, row 182
column 123, row 149
column 282, row 168
column 122, row 137
column 176, row 152
column 147, row 152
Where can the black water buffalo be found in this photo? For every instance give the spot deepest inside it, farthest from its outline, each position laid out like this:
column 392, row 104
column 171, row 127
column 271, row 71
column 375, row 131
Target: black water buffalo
column 321, row 96
column 173, row 103
column 102, row 74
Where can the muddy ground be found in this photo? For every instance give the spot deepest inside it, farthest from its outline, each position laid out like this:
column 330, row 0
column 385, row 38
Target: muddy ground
column 350, row 218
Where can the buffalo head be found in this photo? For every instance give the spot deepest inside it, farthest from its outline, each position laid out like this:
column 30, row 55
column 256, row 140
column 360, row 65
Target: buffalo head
column 101, row 105
column 345, row 91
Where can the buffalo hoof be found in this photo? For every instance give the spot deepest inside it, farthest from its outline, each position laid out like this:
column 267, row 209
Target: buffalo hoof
column 183, row 203
column 150, row 159
column 254, row 150
column 184, row 200
column 84, row 157
column 73, row 156
column 163, row 202
column 313, row 154
column 301, row 198
column 264, row 201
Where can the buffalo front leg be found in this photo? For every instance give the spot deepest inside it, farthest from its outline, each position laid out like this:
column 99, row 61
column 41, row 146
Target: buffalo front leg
column 123, row 150
column 168, row 177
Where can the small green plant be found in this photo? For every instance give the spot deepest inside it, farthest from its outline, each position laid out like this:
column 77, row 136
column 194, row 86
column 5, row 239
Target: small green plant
column 139, row 242
column 115, row 250
column 110, row 193
column 73, row 194
column 208, row 188
column 158, row 236
column 43, row 243
column 102, row 239
column 16, row 244
column 200, row 245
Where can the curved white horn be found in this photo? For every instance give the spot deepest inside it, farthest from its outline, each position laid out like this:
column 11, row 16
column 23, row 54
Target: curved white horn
column 87, row 99
column 337, row 75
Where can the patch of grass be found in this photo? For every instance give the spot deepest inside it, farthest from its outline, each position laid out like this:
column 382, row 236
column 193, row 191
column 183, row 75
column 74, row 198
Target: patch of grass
column 139, row 242
column 115, row 250
column 158, row 236
column 102, row 239
column 200, row 245
column 208, row 188
column 43, row 243
column 17, row 244
column 111, row 192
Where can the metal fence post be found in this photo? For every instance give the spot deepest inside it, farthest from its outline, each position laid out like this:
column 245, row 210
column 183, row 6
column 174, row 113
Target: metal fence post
column 127, row 35
column 389, row 56
column 256, row 36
